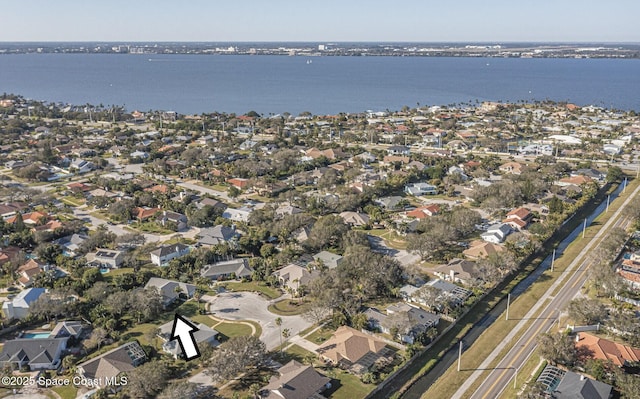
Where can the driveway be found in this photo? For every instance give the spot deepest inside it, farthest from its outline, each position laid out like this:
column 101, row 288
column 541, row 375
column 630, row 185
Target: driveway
column 250, row 306
column 119, row 229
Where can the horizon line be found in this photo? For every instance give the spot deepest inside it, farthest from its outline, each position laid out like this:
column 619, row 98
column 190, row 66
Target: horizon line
column 325, row 42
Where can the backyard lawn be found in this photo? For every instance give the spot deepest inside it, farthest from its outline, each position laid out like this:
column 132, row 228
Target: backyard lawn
column 320, row 335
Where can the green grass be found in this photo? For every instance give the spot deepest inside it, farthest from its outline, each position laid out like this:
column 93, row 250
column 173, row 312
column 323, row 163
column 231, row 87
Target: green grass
column 66, row 392
column 298, row 353
column 231, row 330
column 152, row 227
column 141, row 332
column 204, row 319
column 73, row 201
column 253, row 286
column 240, row 387
column 346, row 386
column 320, row 335
column 289, row 307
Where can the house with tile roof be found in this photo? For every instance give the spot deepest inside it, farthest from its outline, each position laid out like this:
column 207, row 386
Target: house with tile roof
column 352, row 349
column 482, row 249
column 603, row 349
column 111, row 364
column 574, row 181
column 144, row 213
column 296, row 381
column 30, row 218
column 28, row 271
column 513, row 168
column 424, row 211
column 518, row 218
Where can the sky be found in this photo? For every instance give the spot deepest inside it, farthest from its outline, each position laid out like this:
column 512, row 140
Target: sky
column 321, row 21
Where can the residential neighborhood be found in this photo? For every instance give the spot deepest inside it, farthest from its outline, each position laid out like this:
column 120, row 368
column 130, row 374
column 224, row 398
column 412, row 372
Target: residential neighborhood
column 313, row 264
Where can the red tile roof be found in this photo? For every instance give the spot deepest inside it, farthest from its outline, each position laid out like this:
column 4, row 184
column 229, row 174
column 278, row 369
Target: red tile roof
column 604, row 349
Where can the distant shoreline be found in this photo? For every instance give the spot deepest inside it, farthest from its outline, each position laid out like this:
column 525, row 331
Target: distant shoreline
column 425, row 49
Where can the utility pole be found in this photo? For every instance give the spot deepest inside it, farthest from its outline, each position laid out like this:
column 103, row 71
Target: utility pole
column 584, row 227
column 608, row 200
column 508, row 303
column 459, row 354
column 553, row 259
column 559, row 315
column 625, row 185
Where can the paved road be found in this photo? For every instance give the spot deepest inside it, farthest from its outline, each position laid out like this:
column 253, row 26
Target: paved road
column 250, row 306
column 505, row 370
column 119, row 229
column 205, row 190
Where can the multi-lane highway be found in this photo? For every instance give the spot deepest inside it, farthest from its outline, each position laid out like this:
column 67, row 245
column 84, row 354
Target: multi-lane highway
column 527, row 330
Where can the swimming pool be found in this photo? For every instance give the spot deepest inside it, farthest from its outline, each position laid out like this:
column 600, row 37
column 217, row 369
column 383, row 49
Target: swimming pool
column 36, row 335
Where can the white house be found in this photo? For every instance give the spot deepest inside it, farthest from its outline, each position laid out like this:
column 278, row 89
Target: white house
column 420, row 189
column 496, row 233
column 165, row 253
column 18, row 308
column 81, row 166
column 237, row 215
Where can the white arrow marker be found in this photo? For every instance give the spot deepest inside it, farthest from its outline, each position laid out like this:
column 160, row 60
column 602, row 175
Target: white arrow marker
column 183, row 331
